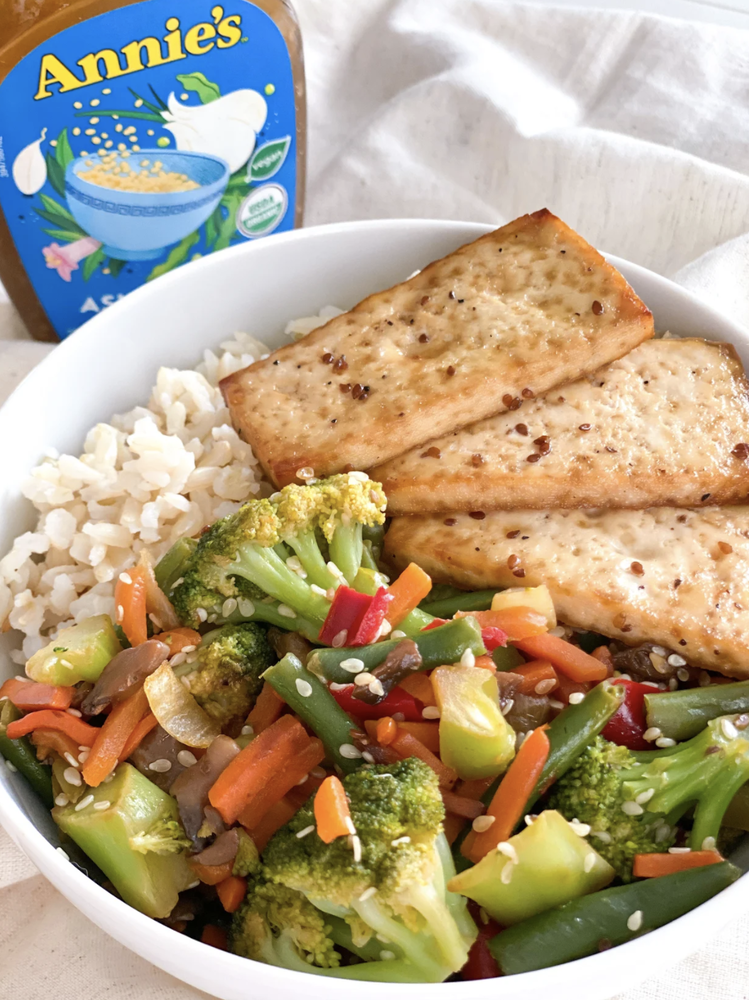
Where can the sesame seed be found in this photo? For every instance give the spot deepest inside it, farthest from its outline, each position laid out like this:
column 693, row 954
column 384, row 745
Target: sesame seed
column 201, row 614
column 662, row 833
column 285, row 611
column 530, row 819
column 601, row 835
column 665, row 741
column 367, row 756
column 682, row 674
column 340, row 639
column 508, row 850
column 73, row 761
column 356, row 847
column 72, row 776
column 590, row 862
column 581, row 829
column 728, row 729
column 61, row 799
column 85, row 801
column 397, row 634
column 120, row 613
column 482, row 823
column 708, row 844
column 229, row 606
column 83, row 756
column 576, row 697
column 659, row 651
column 246, row 608
column 634, row 920
column 63, row 853
column 303, row 779
column 363, row 679
column 101, row 806
column 376, row 688
column 353, row 665
column 318, row 590
column 400, row 840
column 126, row 578
column 545, row 686
column 349, row 751
column 506, row 876
column 651, row 734
column 632, row 809
column 11, row 766
column 187, row 759
column 674, row 660
column 303, row 687
column 189, row 649
column 77, row 715
column 305, row 473
column 385, row 955
column 334, row 686
column 367, row 894
column 468, row 659
column 306, row 831
column 161, row 766
column 645, row 796
column 679, row 850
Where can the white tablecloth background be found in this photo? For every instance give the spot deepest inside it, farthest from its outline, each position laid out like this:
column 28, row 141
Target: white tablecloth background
column 632, row 128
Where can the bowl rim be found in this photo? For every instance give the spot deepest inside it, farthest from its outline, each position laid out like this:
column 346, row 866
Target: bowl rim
column 115, row 194
column 74, row 884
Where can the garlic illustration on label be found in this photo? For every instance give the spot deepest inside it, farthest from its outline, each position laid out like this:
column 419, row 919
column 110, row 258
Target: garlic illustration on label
column 226, row 127
column 29, row 167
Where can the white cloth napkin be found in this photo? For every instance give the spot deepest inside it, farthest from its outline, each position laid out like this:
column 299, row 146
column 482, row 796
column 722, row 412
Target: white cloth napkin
column 634, row 129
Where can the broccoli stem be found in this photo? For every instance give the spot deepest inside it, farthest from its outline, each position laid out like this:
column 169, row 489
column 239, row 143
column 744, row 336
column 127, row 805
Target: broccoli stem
column 680, row 715
column 308, row 552
column 438, row 646
column 346, row 548
column 318, row 709
column 478, row 600
column 173, row 564
column 415, row 947
column 578, row 928
column 264, row 568
column 267, row 611
column 341, row 935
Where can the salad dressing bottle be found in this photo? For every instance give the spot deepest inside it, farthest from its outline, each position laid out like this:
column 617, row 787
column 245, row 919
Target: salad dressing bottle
column 137, row 135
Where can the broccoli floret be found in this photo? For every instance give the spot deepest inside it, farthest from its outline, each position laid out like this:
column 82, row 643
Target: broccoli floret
column 226, row 679
column 247, row 860
column 632, row 801
column 164, row 837
column 274, row 560
column 388, row 880
column 279, row 926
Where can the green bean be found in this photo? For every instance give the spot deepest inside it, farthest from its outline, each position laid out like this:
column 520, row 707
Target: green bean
column 680, row 715
column 438, row 646
column 306, row 695
column 20, row 753
column 507, row 657
column 173, row 563
column 477, row 600
column 602, row 919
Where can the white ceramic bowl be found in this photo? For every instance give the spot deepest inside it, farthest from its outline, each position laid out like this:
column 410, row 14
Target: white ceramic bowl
column 109, row 366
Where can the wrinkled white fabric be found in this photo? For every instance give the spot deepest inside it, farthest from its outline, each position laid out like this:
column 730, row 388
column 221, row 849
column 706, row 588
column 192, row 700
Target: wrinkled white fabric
column 634, row 129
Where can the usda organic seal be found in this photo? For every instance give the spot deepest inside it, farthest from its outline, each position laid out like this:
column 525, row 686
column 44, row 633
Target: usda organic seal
column 262, row 210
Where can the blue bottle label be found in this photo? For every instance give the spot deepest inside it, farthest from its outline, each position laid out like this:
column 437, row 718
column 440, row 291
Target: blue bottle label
column 141, row 139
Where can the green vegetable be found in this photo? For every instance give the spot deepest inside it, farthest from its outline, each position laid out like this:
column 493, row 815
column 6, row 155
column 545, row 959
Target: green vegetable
column 397, row 812
column 604, row 785
column 475, row 738
column 21, row 754
column 583, row 926
column 319, row 710
column 79, row 653
column 554, row 865
column 507, row 657
column 173, row 565
column 447, row 607
column 247, row 860
column 437, row 646
column 226, row 680
column 737, row 814
column 137, row 841
column 292, row 549
column 682, row 714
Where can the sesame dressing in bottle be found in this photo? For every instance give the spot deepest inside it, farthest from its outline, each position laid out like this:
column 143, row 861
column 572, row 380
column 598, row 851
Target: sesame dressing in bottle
column 137, row 135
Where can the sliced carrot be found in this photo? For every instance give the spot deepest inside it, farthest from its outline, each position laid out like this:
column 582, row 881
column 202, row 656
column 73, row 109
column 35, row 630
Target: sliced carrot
column 473, row 788
column 534, row 673
column 565, row 687
column 427, row 733
column 215, row 936
column 51, row 739
column 262, row 761
column 459, row 805
column 453, row 826
column 283, row 782
column 211, row 874
column 420, row 687
column 332, row 813
column 112, row 738
column 518, row 622
column 231, row 892
column 266, row 709
column 62, row 722
column 276, row 817
column 655, row 865
column 572, row 661
column 385, row 730
column 177, row 638
column 411, row 587
column 406, row 745
column 300, row 793
column 485, row 662
column 130, row 602
column 603, row 653
column 30, row 696
column 142, row 729
column 511, row 796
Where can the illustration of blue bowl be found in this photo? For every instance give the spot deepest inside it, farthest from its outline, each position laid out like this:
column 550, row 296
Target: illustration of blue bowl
column 134, row 225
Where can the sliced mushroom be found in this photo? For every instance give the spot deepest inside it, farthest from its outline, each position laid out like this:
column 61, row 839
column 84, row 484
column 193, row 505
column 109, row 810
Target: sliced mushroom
column 650, row 662
column 123, row 674
column 529, row 711
column 405, row 659
column 192, row 786
column 157, row 757
column 289, row 642
column 224, row 848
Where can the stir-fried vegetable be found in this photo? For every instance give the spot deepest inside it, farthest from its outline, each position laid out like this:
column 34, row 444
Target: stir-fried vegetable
column 177, row 711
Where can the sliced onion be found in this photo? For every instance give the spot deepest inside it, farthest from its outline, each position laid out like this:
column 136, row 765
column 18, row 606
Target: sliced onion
column 177, row 711
column 158, row 604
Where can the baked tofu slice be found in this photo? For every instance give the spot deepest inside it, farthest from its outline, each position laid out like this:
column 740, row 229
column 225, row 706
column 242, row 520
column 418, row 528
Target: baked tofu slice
column 668, row 424
column 677, row 577
column 501, row 320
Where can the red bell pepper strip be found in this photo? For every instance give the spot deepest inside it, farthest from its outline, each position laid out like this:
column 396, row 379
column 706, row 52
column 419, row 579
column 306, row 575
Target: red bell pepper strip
column 374, row 616
column 397, row 701
column 345, row 616
column 435, row 624
column 627, row 726
column 493, row 637
column 481, row 963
